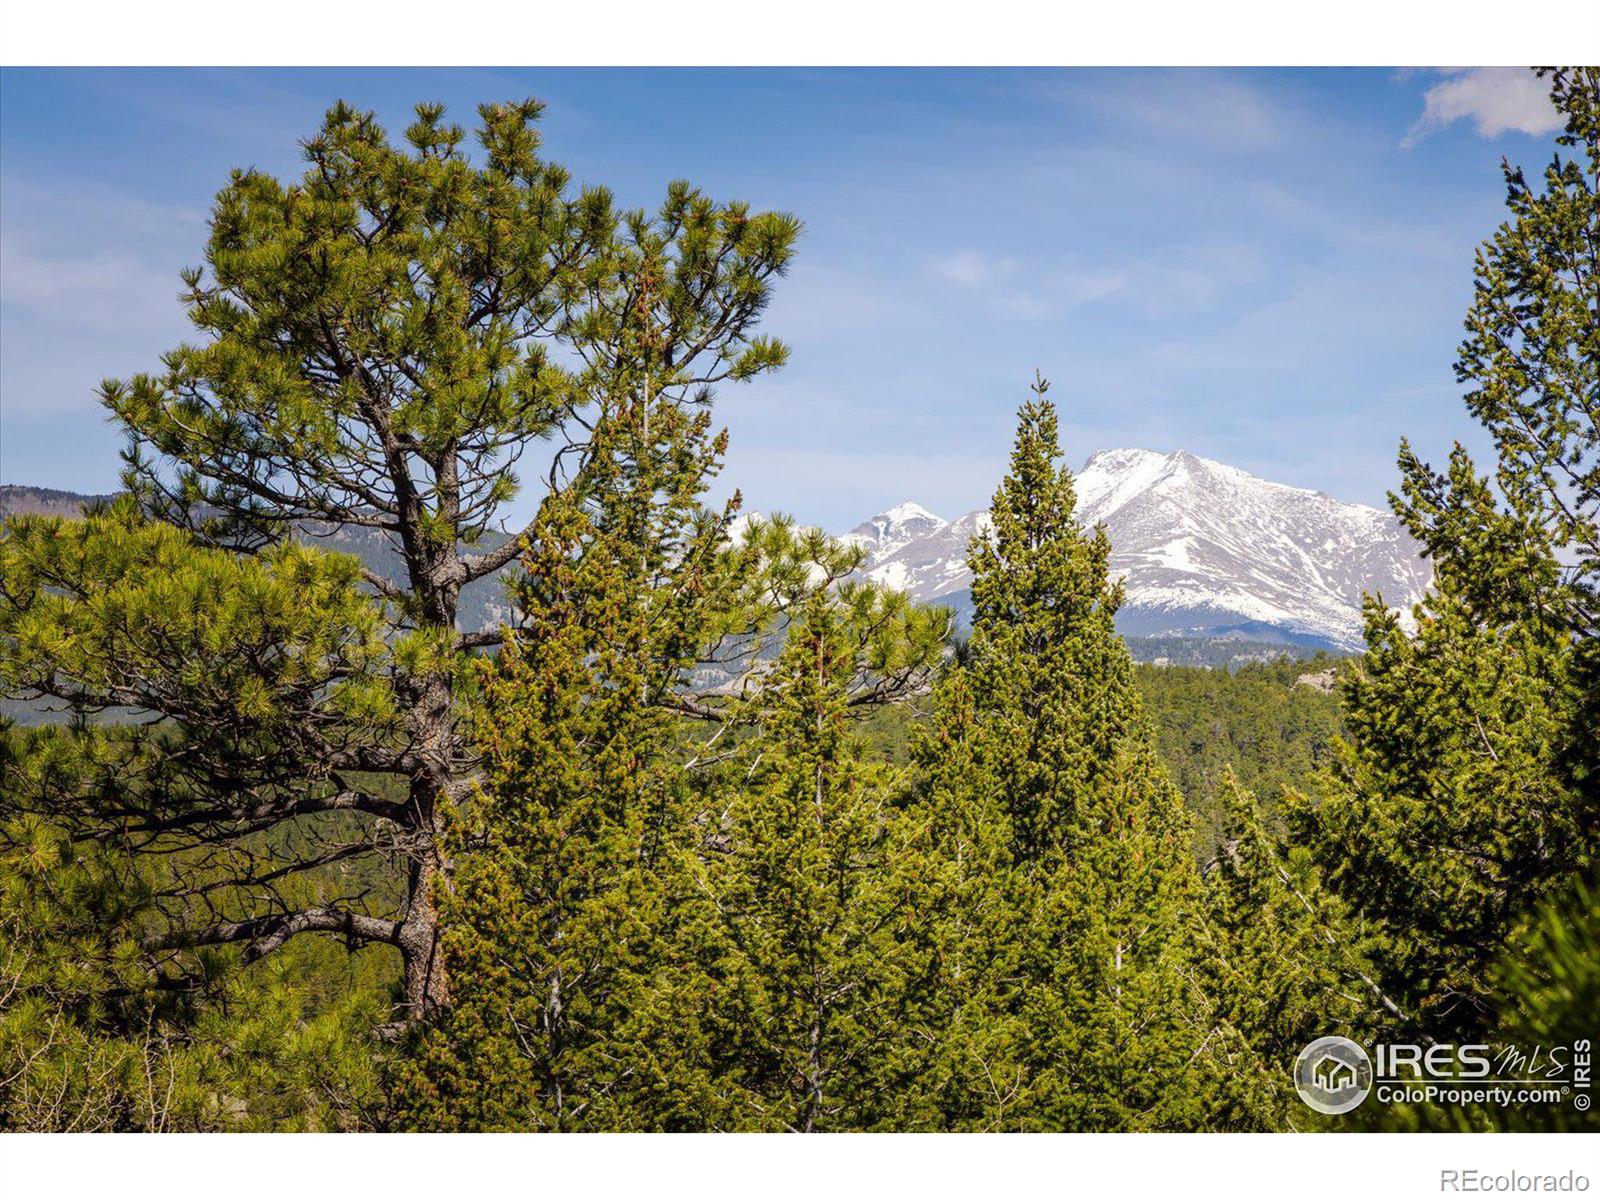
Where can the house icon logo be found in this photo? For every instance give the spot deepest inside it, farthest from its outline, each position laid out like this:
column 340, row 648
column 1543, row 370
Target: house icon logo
column 1333, row 1075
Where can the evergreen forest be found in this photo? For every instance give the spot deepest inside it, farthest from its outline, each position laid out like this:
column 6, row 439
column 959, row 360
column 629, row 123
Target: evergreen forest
column 709, row 833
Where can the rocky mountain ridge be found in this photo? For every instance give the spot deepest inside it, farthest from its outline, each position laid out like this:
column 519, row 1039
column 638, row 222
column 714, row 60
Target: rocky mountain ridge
column 1205, row 549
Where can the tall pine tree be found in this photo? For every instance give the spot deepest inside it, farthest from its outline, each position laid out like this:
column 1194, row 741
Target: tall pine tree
column 379, row 345
column 1471, row 789
column 1068, row 995
column 572, row 859
column 822, row 877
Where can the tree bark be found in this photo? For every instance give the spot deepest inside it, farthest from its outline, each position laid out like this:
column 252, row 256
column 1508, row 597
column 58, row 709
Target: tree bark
column 433, row 725
column 427, row 988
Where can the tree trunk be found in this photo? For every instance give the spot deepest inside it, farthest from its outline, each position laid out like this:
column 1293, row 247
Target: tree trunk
column 427, row 988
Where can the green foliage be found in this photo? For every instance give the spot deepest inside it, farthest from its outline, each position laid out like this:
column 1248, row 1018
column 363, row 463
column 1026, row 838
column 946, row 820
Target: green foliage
column 119, row 610
column 1260, row 722
column 1546, row 988
column 1449, row 816
column 819, row 879
column 632, row 950
column 1067, row 995
column 271, row 676
column 379, row 343
column 395, row 312
column 1286, row 962
column 1550, row 977
column 1531, row 363
column 1054, row 679
column 88, row 1044
column 681, row 855
column 1470, row 790
column 69, row 983
column 1271, row 731
column 572, row 862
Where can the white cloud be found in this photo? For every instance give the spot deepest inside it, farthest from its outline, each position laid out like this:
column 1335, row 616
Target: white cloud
column 1025, row 306
column 1495, row 99
column 64, row 206
column 971, row 268
column 1084, row 287
column 1208, row 110
column 825, row 300
column 1049, row 288
column 111, row 292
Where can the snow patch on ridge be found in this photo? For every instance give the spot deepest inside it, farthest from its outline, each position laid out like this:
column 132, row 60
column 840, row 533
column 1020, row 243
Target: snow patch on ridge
column 1199, row 543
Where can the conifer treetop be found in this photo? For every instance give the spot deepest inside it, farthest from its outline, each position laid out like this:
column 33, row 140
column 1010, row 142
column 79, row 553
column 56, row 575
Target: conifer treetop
column 1036, row 570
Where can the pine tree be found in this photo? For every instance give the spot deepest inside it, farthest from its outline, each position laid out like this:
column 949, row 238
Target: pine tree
column 1546, row 991
column 1054, row 682
column 72, row 1000
column 88, row 1044
column 377, row 346
column 1470, row 788
column 621, row 935
column 822, row 879
column 1285, row 962
column 275, row 676
column 1531, row 364
column 1450, row 816
column 573, row 859
column 1070, row 995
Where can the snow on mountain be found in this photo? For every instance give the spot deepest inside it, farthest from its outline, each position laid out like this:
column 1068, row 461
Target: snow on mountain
column 1205, row 548
column 911, row 549
column 893, row 530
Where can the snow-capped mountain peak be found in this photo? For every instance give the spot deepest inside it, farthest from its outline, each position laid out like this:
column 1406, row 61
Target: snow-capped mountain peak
column 909, row 511
column 889, row 530
column 1204, row 547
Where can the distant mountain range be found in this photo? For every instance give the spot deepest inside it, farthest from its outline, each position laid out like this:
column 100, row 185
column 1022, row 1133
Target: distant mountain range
column 45, row 502
column 1209, row 552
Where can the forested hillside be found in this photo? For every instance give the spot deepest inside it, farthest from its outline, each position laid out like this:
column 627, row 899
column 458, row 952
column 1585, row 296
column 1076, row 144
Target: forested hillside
column 1272, row 724
column 711, row 833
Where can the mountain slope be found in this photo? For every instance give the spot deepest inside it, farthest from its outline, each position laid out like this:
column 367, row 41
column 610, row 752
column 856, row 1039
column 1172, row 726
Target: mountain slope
column 484, row 603
column 17, row 499
column 1206, row 550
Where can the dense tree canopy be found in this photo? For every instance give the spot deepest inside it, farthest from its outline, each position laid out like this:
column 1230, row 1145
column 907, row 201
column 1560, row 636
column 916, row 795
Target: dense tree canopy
column 708, row 832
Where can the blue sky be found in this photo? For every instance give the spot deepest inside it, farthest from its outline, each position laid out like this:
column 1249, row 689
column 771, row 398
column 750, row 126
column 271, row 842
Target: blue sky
column 1264, row 267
